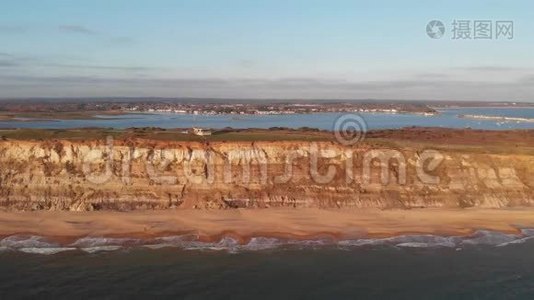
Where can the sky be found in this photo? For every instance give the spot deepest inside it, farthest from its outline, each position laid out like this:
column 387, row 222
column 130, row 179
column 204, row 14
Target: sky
column 264, row 49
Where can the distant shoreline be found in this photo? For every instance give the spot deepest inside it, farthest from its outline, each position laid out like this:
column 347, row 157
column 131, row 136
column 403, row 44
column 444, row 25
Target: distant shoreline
column 496, row 118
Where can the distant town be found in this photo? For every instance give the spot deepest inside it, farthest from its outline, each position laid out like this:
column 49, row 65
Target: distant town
column 75, row 108
column 275, row 109
column 207, row 107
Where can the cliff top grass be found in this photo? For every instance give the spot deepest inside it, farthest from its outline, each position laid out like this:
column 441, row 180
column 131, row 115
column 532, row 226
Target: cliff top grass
column 465, row 140
column 161, row 134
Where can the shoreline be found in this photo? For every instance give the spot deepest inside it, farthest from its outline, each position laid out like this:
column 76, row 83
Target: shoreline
column 496, row 118
column 245, row 224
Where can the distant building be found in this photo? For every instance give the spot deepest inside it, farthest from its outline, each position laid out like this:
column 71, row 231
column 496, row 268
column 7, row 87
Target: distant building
column 201, row 131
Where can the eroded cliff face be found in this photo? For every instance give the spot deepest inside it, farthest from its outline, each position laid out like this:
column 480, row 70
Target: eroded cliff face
column 141, row 174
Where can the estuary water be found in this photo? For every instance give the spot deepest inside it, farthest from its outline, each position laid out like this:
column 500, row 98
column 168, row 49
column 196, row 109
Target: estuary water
column 520, row 118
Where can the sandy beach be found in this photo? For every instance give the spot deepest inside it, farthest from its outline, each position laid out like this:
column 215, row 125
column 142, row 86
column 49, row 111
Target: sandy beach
column 284, row 223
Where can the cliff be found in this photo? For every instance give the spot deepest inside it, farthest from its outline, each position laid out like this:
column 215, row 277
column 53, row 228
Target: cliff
column 127, row 174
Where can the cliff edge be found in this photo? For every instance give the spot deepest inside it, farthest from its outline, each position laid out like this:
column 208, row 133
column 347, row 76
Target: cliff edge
column 390, row 169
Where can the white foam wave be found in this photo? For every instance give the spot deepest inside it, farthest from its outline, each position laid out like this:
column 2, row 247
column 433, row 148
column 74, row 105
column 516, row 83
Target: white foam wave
column 318, row 243
column 31, row 244
column 40, row 245
column 23, row 241
column 412, row 241
column 91, row 242
column 414, row 245
column 46, row 251
column 527, row 232
column 104, row 244
column 518, row 241
column 100, row 249
column 485, row 237
column 191, row 242
column 262, row 243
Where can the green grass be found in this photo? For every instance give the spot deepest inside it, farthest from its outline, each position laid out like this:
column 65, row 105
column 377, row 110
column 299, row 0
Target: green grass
column 490, row 148
column 48, row 134
column 251, row 135
column 162, row 134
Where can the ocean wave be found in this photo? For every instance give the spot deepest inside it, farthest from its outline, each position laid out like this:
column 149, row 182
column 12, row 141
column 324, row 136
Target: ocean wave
column 486, row 237
column 191, row 242
column 101, row 248
column 412, row 241
column 93, row 242
column 26, row 241
column 104, row 244
column 46, row 251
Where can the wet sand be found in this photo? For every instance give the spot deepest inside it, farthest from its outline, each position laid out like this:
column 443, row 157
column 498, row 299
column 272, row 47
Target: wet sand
column 283, row 223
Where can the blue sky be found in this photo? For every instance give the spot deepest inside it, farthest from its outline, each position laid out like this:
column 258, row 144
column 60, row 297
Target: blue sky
column 262, row 49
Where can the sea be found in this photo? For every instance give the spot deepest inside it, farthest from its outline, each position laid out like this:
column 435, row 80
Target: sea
column 483, row 265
